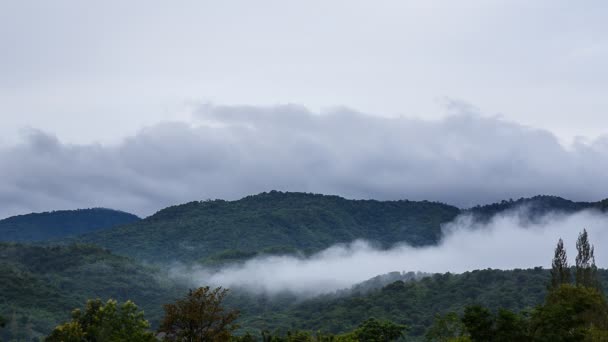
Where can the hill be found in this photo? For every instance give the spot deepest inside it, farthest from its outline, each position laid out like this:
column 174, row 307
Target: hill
column 410, row 301
column 40, row 286
column 215, row 232
column 535, row 207
column 272, row 222
column 59, row 224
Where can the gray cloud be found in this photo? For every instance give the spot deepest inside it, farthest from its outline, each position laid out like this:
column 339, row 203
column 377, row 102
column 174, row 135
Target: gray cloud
column 508, row 241
column 234, row 151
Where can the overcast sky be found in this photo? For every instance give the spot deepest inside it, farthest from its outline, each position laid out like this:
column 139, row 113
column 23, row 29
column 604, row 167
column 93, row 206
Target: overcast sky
column 139, row 104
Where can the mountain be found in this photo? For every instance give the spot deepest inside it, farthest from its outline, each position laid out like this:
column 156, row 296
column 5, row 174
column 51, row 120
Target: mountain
column 215, row 232
column 40, row 286
column 535, row 207
column 60, row 224
column 273, row 222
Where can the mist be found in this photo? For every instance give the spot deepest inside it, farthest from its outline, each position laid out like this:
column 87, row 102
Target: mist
column 508, row 241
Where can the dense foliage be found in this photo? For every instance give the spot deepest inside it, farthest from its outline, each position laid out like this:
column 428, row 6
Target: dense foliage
column 104, row 322
column 59, row 224
column 39, row 286
column 200, row 316
column 412, row 303
column 571, row 311
column 272, row 222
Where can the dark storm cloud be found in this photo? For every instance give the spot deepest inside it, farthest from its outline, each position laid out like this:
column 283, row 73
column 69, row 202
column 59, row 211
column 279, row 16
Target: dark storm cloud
column 234, row 151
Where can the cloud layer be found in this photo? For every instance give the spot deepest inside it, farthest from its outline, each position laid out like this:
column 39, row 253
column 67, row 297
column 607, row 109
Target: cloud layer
column 464, row 159
column 508, row 241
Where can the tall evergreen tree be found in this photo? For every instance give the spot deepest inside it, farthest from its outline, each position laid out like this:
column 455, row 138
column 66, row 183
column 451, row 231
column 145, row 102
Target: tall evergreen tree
column 560, row 272
column 586, row 271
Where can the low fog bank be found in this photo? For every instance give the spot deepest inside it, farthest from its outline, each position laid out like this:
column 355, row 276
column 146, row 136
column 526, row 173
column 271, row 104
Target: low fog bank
column 509, row 240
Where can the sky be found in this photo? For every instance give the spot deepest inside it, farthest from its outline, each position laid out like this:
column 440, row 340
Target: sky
column 141, row 104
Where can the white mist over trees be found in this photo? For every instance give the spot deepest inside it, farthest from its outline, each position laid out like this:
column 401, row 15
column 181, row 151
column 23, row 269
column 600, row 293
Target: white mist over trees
column 507, row 241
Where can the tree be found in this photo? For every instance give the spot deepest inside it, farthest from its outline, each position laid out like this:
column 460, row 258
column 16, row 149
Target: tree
column 510, row 326
column 570, row 313
column 199, row 317
column 373, row 330
column 586, row 271
column 479, row 323
column 560, row 272
column 104, row 322
column 445, row 328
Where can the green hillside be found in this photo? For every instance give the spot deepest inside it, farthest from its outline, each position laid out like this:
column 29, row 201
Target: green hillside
column 220, row 231
column 272, row 222
column 413, row 303
column 59, row 224
column 39, row 286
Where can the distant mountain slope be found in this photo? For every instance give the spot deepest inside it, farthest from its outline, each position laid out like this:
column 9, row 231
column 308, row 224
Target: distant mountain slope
column 413, row 303
column 40, row 286
column 59, row 224
column 535, row 206
column 275, row 222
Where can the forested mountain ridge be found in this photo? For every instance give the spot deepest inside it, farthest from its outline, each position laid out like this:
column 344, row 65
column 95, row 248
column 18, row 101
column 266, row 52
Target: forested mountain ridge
column 273, row 222
column 217, row 231
column 534, row 206
column 61, row 223
column 221, row 231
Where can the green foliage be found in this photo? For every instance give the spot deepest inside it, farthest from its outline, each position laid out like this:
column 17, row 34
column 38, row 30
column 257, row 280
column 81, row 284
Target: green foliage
column 60, row 224
column 274, row 222
column 569, row 313
column 560, row 272
column 104, row 322
column 373, row 330
column 199, row 317
column 479, row 323
column 412, row 303
column 297, row 336
column 39, row 286
column 586, row 271
column 218, row 231
column 510, row 326
column 445, row 328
